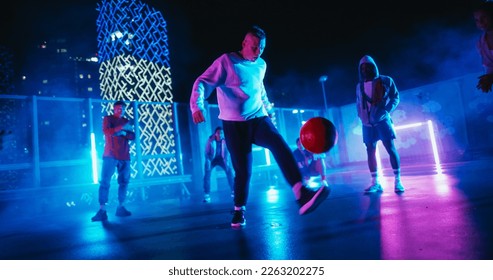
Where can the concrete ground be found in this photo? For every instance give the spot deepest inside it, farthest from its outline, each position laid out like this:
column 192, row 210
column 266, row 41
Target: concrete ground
column 439, row 217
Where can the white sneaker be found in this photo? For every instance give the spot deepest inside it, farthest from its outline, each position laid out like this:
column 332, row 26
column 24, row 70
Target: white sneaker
column 398, row 187
column 374, row 188
column 207, row 198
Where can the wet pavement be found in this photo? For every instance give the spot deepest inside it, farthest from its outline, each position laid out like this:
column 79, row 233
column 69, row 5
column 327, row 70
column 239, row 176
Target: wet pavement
column 439, row 217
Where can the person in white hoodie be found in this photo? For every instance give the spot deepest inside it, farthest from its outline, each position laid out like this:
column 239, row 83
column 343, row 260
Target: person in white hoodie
column 216, row 154
column 483, row 17
column 376, row 97
column 245, row 110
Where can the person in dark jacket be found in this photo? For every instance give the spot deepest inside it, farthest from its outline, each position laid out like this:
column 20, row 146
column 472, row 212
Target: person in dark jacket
column 216, row 154
column 117, row 133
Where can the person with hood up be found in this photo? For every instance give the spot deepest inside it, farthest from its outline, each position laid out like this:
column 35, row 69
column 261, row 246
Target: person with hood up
column 376, row 97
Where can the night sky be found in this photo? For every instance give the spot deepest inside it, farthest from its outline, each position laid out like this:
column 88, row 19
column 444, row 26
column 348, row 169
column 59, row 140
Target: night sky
column 415, row 42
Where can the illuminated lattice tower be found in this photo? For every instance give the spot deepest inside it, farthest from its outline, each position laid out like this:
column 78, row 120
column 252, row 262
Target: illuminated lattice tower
column 134, row 65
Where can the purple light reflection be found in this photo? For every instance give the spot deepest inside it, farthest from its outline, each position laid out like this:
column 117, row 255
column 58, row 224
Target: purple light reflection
column 433, row 144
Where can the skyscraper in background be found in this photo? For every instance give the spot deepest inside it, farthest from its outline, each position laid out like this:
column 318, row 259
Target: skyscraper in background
column 134, row 66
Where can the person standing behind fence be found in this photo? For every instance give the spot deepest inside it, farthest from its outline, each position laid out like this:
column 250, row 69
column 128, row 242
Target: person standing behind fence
column 483, row 17
column 216, row 154
column 244, row 108
column 117, row 133
column 376, row 97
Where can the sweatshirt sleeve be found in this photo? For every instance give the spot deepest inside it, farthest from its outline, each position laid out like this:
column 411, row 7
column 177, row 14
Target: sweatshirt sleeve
column 130, row 135
column 108, row 129
column 265, row 101
column 393, row 96
column 203, row 86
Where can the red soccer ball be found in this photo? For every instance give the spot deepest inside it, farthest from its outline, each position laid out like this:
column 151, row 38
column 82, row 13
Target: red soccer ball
column 318, row 135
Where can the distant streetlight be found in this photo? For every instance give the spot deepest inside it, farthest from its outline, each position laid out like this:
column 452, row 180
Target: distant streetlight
column 322, row 80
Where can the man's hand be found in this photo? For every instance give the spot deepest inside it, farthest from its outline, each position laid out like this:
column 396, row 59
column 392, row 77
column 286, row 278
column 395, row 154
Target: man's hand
column 128, row 127
column 198, row 117
column 120, row 133
column 271, row 113
column 272, row 117
column 485, row 82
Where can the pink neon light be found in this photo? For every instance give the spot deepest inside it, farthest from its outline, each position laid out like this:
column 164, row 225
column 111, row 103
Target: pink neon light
column 434, row 147
column 433, row 143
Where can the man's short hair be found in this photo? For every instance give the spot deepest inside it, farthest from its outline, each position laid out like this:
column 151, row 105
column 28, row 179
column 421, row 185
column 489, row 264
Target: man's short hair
column 218, row 128
column 256, row 31
column 121, row 103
